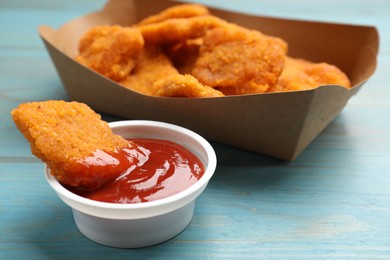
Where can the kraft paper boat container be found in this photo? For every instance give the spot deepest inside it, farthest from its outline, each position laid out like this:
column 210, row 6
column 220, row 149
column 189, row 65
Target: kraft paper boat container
column 279, row 125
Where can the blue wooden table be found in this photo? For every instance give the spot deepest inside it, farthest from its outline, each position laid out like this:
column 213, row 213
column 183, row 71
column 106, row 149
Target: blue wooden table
column 332, row 202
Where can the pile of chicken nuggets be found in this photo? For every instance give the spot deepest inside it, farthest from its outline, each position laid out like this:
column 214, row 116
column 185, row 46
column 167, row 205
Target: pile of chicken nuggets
column 185, row 51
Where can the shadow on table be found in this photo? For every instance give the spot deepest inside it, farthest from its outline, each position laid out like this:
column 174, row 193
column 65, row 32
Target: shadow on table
column 235, row 157
column 244, row 171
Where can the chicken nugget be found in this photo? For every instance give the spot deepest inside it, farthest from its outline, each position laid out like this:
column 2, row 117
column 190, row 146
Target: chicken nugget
column 64, row 135
column 300, row 74
column 111, row 50
column 183, row 86
column 152, row 65
column 235, row 57
column 179, row 29
column 177, row 11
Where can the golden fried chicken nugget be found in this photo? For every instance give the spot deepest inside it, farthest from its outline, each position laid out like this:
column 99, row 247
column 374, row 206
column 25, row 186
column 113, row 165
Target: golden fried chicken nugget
column 111, row 50
column 183, row 86
column 62, row 134
column 179, row 29
column 235, row 57
column 152, row 65
column 300, row 74
column 177, row 11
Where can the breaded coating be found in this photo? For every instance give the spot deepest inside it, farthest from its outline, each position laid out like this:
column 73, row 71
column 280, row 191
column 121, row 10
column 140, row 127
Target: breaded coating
column 152, row 65
column 184, row 54
column 62, row 133
column 179, row 29
column 177, row 11
column 111, row 50
column 300, row 74
column 183, row 86
column 235, row 57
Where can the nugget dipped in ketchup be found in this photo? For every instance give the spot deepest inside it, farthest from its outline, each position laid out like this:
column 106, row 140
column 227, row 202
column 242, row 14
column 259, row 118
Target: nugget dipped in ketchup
column 66, row 135
column 85, row 156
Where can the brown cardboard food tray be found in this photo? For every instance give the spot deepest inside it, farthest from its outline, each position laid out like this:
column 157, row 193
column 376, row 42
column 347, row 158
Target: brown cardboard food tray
column 280, row 125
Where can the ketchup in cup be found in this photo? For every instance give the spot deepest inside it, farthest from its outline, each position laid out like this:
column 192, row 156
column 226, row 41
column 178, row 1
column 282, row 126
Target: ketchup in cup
column 152, row 169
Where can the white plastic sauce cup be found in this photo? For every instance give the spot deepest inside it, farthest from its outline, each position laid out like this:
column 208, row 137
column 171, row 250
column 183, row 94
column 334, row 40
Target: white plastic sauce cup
column 147, row 223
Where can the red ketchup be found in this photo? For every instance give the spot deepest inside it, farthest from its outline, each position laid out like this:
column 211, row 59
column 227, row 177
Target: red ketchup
column 155, row 169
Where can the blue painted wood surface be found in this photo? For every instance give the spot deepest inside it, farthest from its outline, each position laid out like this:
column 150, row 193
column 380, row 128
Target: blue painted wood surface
column 332, row 202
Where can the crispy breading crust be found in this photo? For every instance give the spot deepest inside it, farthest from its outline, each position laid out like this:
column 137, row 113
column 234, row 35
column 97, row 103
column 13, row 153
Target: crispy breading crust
column 152, row 65
column 177, row 11
column 183, row 86
column 241, row 59
column 299, row 74
column 184, row 54
column 111, row 50
column 179, row 29
column 60, row 133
